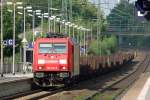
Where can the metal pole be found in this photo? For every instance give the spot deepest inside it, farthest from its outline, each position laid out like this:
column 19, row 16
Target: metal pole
column 84, row 44
column 65, row 29
column 48, row 16
column 24, row 50
column 1, row 38
column 33, row 25
column 80, row 40
column 60, row 27
column 66, row 10
column 69, row 32
column 91, row 33
column 54, row 24
column 78, row 36
column 42, row 24
column 51, row 5
column 98, row 24
column 70, row 14
column 73, row 31
column 49, row 22
column 24, row 23
column 14, row 33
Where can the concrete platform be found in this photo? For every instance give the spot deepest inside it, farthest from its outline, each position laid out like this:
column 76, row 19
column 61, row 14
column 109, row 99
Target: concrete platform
column 12, row 84
column 16, row 77
column 140, row 90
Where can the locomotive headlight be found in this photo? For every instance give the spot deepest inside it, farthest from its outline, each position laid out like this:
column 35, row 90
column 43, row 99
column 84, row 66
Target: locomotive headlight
column 63, row 61
column 41, row 61
column 40, row 68
column 63, row 68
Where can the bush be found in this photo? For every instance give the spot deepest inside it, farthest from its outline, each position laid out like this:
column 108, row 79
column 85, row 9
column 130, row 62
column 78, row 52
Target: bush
column 105, row 46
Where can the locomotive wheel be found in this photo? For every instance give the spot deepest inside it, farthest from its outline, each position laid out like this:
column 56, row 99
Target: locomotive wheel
column 68, row 82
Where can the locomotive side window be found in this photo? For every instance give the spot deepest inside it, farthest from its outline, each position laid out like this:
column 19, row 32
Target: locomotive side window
column 52, row 48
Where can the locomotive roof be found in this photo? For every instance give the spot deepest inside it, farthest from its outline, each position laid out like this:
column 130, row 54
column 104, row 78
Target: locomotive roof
column 59, row 35
column 55, row 35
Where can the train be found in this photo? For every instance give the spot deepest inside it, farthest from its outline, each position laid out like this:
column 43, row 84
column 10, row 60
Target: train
column 56, row 60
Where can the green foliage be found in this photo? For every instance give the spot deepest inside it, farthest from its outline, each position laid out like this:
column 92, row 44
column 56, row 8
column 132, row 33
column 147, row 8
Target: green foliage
column 82, row 14
column 103, row 97
column 78, row 98
column 122, row 19
column 104, row 46
column 8, row 30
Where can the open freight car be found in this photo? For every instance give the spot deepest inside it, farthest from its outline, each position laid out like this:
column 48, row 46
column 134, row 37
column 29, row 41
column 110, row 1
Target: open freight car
column 55, row 60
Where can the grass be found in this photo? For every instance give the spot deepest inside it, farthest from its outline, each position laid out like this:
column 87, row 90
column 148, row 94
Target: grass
column 79, row 98
column 103, row 97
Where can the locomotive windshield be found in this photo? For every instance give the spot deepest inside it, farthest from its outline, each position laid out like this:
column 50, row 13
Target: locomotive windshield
column 52, row 48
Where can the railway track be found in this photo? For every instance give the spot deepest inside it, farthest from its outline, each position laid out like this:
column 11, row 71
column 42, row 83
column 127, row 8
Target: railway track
column 39, row 94
column 118, row 87
column 34, row 94
column 21, row 94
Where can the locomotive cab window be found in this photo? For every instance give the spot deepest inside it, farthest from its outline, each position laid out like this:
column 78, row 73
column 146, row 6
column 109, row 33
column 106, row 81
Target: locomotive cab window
column 59, row 48
column 45, row 48
column 52, row 48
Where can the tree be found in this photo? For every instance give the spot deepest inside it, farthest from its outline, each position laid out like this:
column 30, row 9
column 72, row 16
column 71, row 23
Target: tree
column 122, row 20
column 105, row 46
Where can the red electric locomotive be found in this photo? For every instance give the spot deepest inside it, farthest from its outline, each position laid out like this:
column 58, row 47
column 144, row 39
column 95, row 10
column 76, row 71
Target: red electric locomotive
column 55, row 60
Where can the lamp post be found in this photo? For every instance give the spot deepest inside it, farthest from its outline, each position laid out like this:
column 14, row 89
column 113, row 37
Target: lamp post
column 75, row 27
column 24, row 41
column 42, row 22
column 58, row 21
column 84, row 43
column 79, row 34
column 84, row 39
column 33, row 25
column 1, row 38
column 68, row 24
column 61, row 24
column 50, row 19
column 99, row 24
column 87, row 30
column 14, row 30
column 65, row 27
column 54, row 27
column 48, row 15
column 72, row 25
column 91, row 32
column 42, row 16
column 33, row 21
